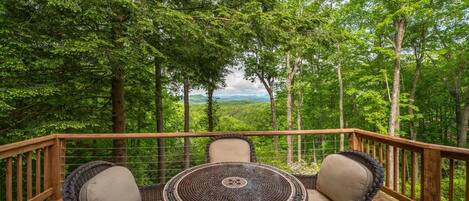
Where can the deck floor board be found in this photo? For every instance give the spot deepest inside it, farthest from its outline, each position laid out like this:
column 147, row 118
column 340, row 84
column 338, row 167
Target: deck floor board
column 381, row 196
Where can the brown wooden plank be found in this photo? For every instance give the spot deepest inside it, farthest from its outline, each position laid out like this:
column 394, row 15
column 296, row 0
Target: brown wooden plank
column 395, row 143
column 366, row 148
column 46, row 168
column 26, row 143
column 431, row 175
column 388, row 159
column 38, row 171
column 19, row 178
column 413, row 174
column 9, row 180
column 55, row 169
column 454, row 155
column 63, row 149
column 353, row 142
column 20, row 150
column 29, row 175
column 361, row 141
column 451, row 180
column 445, row 151
column 395, row 194
column 374, row 150
column 403, row 171
column 381, row 155
column 43, row 195
column 395, row 168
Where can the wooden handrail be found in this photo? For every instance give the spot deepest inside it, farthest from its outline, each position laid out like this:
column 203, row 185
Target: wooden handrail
column 199, row 134
column 26, row 143
column 446, row 151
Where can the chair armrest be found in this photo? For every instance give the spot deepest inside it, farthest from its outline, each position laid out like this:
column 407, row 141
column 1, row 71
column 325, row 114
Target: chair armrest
column 152, row 193
column 309, row 181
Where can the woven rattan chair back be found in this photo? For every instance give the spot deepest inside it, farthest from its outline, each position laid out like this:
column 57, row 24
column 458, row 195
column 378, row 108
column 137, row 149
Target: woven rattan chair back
column 373, row 166
column 76, row 179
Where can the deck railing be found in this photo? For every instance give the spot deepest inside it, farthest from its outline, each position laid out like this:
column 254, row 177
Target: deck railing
column 35, row 169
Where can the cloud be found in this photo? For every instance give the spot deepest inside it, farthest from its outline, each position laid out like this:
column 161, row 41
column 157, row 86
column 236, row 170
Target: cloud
column 237, row 85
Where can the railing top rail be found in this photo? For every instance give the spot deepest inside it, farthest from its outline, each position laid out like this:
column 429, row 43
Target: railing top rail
column 200, row 134
column 9, row 150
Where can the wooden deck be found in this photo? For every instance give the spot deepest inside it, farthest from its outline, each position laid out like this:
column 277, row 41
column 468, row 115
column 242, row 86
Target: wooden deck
column 47, row 157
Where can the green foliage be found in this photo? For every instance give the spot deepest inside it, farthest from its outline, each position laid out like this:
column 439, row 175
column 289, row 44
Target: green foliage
column 58, row 58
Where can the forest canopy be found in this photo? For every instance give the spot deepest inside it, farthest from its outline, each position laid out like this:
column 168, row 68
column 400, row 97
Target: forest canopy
column 399, row 67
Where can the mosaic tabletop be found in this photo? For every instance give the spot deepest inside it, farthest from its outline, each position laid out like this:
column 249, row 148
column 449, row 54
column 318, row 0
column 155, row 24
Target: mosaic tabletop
column 234, row 181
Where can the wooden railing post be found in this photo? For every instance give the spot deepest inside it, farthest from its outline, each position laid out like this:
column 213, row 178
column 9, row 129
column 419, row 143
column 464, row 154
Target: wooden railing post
column 431, row 175
column 353, row 141
column 55, row 169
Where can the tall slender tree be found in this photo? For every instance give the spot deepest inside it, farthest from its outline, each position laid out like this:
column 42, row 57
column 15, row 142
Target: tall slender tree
column 341, row 99
column 159, row 120
column 119, row 19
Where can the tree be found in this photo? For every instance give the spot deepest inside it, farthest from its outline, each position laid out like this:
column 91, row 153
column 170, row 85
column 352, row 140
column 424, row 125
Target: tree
column 261, row 58
column 341, row 100
column 218, row 54
column 399, row 22
column 120, row 16
column 291, row 72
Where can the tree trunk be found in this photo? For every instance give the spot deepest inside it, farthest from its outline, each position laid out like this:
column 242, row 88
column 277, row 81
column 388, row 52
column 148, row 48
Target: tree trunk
column 413, row 133
column 419, row 49
column 413, row 90
column 298, row 121
column 210, row 91
column 118, row 117
column 387, row 84
column 463, row 124
column 187, row 142
column 289, row 110
column 269, row 87
column 341, row 103
column 394, row 113
column 117, row 96
column 455, row 92
column 394, row 116
column 159, row 121
column 273, row 111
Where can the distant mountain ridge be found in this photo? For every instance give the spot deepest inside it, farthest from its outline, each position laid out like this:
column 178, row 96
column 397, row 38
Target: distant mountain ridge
column 231, row 98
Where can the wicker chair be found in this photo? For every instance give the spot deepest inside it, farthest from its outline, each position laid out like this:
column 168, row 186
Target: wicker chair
column 74, row 182
column 334, row 172
column 230, row 148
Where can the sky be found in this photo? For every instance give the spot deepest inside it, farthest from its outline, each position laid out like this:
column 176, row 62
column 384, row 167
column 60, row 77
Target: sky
column 237, row 85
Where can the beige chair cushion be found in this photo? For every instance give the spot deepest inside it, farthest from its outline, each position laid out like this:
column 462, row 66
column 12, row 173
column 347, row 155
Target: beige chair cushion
column 314, row 195
column 229, row 150
column 343, row 179
column 113, row 184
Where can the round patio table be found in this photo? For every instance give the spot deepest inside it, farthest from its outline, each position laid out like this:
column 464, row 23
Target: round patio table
column 234, row 181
